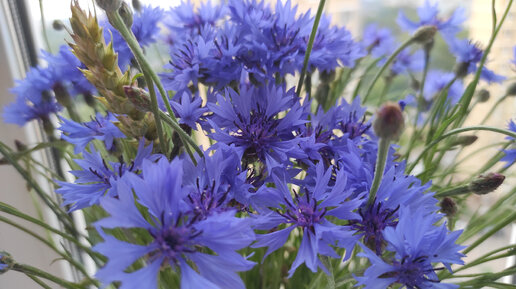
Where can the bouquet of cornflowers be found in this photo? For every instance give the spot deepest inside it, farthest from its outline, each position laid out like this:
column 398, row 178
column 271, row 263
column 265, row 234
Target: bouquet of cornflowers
column 263, row 154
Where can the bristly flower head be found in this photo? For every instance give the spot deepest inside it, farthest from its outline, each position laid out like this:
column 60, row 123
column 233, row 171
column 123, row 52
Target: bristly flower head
column 97, row 177
column 308, row 210
column 178, row 236
column 429, row 15
column 80, row 134
column 250, row 120
column 416, row 244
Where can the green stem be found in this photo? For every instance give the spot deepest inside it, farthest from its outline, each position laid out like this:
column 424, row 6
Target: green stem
column 381, row 159
column 65, row 218
column 382, row 69
column 331, row 279
column 498, row 102
column 44, row 26
column 14, row 212
column 456, row 131
column 466, row 98
column 29, row 270
column 184, row 136
column 38, row 281
column 147, row 69
column 309, row 47
column 76, row 264
column 453, row 191
column 118, row 24
column 361, row 79
column 509, row 219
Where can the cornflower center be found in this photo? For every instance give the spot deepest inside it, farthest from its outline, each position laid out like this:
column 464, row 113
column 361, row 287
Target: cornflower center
column 303, row 212
column 412, row 272
column 374, row 220
column 175, row 240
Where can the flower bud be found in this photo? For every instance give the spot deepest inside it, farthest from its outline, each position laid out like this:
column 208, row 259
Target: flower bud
column 511, row 89
column 137, row 5
column 6, row 262
column 389, row 121
column 139, row 97
column 483, row 95
column 464, row 140
column 109, row 5
column 448, row 206
column 58, row 25
column 485, row 184
column 424, row 34
column 461, row 69
column 126, row 14
column 20, row 146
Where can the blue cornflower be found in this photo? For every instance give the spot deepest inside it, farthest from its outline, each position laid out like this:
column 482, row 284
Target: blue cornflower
column 185, row 22
column 437, row 80
column 190, row 109
column 406, row 62
column 64, row 67
column 208, row 58
column 416, row 244
column 308, row 210
column 429, row 15
column 145, row 28
column 97, row 178
column 80, row 134
column 510, row 154
column 378, row 41
column 332, row 47
column 178, row 237
column 328, row 131
column 395, row 190
column 250, row 121
column 468, row 56
column 215, row 181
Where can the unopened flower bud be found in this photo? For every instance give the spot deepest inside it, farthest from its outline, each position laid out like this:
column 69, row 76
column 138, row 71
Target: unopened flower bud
column 485, row 184
column 137, row 5
column 109, row 5
column 424, row 34
column 465, row 140
column 461, row 69
column 448, row 206
column 20, row 146
column 126, row 14
column 511, row 89
column 58, row 25
column 6, row 262
column 483, row 95
column 389, row 121
column 327, row 77
column 139, row 97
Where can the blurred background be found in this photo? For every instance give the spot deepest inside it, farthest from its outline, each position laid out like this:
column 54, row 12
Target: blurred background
column 18, row 53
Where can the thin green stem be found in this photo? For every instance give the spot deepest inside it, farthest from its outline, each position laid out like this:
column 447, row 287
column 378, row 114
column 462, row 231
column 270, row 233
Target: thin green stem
column 29, row 270
column 456, row 131
column 383, row 151
column 361, row 79
column 184, row 136
column 38, row 281
column 147, row 69
column 118, row 24
column 44, row 26
column 509, row 219
column 493, row 108
column 453, row 191
column 310, row 46
column 65, row 218
column 386, row 64
column 330, row 278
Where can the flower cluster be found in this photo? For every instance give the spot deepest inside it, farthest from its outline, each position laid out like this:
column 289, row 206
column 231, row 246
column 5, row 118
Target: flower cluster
column 282, row 178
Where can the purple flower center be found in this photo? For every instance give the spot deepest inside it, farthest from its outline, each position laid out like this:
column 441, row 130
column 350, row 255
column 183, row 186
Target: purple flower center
column 257, row 134
column 412, row 272
column 176, row 240
column 205, row 201
column 305, row 213
column 374, row 221
column 353, row 126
